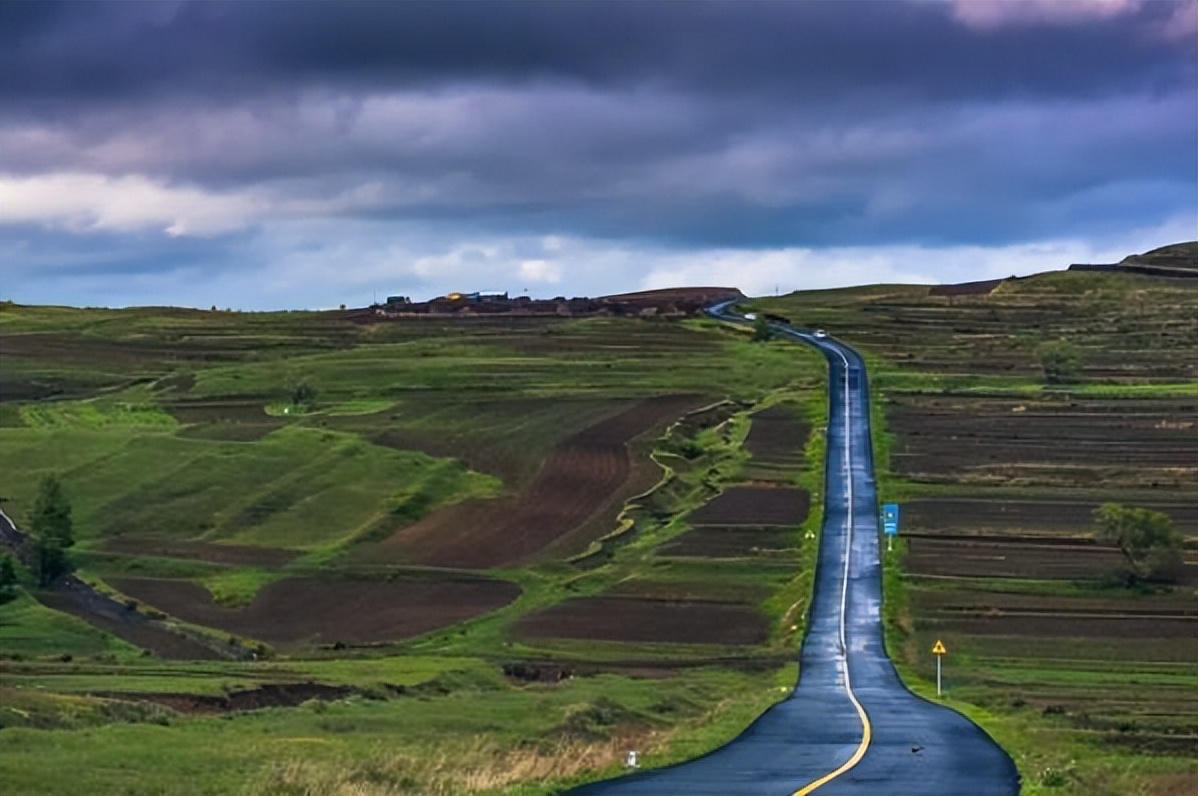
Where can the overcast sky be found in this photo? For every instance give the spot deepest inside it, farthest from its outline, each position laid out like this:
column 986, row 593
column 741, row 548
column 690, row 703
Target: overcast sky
column 274, row 155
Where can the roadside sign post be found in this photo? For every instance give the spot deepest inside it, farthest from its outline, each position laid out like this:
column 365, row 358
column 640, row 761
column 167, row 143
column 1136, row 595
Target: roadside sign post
column 939, row 651
column 890, row 524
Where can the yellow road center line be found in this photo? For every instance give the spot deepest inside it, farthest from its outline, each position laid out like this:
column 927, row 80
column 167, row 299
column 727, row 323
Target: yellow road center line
column 866, row 728
column 866, row 737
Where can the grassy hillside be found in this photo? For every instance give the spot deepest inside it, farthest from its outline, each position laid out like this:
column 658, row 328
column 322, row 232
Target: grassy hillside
column 334, row 532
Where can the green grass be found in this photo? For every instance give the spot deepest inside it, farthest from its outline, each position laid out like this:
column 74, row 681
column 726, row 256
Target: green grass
column 30, row 630
column 158, row 484
column 250, row 753
column 95, row 415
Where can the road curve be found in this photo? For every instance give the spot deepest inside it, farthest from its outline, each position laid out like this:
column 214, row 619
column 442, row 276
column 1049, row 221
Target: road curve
column 850, row 726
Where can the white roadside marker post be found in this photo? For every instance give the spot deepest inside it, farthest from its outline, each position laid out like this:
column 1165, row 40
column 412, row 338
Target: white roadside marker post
column 632, row 762
column 939, row 651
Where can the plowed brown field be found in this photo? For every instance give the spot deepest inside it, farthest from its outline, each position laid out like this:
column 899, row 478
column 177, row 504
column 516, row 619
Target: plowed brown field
column 163, row 643
column 718, row 541
column 1015, row 557
column 308, row 611
column 777, row 436
column 580, row 478
column 754, row 505
column 1108, row 443
column 638, row 620
column 1024, row 516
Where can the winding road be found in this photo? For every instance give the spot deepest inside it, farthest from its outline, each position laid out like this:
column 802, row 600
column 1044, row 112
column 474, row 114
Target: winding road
column 850, row 726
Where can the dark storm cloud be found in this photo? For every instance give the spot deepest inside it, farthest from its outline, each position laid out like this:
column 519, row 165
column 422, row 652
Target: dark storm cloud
column 102, row 51
column 130, row 131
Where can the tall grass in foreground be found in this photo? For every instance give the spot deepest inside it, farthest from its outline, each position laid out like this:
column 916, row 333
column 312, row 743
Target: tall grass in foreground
column 451, row 768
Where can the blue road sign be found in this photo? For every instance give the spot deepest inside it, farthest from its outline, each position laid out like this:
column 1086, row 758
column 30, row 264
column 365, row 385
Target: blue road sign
column 890, row 518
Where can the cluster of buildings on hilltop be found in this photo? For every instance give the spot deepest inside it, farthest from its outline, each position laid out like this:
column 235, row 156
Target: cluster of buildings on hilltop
column 653, row 303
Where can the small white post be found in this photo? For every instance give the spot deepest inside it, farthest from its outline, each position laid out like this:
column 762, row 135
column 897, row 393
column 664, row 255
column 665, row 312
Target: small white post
column 938, row 657
column 631, row 762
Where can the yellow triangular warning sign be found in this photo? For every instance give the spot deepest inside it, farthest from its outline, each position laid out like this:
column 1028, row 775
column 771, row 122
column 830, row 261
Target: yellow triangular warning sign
column 938, row 648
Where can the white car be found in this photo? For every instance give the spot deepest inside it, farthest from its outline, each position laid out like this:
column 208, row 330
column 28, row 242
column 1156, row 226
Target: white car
column 820, row 333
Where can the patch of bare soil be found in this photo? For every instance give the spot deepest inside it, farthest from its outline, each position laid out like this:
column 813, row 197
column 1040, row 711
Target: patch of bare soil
column 1062, row 624
column 581, row 478
column 988, row 515
column 980, row 288
column 1124, row 443
column 777, row 436
column 307, row 611
column 754, row 506
column 271, row 695
column 1017, row 557
column 136, row 630
column 637, row 620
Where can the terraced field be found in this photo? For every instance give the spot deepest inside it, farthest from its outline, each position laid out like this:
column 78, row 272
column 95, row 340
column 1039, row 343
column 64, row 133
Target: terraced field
column 1090, row 684
column 581, row 477
column 324, row 611
column 321, row 556
column 647, row 490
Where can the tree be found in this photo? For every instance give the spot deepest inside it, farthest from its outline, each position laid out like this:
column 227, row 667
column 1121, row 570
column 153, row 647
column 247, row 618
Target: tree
column 1059, row 360
column 49, row 560
column 761, row 330
column 51, row 521
column 52, row 531
column 1150, row 545
column 303, row 395
column 9, row 585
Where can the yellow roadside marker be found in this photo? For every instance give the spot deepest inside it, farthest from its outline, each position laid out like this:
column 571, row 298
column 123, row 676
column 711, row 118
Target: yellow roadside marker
column 939, row 651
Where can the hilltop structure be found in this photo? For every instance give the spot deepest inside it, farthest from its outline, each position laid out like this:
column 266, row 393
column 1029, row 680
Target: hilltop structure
column 1176, row 260
column 675, row 302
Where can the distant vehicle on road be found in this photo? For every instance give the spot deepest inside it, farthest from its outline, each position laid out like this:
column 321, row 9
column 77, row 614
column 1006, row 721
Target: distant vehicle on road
column 820, row 333
column 750, row 316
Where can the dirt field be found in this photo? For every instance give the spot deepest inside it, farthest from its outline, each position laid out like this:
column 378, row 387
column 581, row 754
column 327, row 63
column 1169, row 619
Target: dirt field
column 718, row 541
column 306, row 611
column 1111, row 443
column 271, row 695
column 755, row 506
column 581, row 477
column 1054, row 517
column 639, row 620
column 232, row 420
column 162, row 643
column 1017, row 557
column 777, row 436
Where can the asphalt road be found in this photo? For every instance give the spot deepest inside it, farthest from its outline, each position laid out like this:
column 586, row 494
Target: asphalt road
column 849, row 726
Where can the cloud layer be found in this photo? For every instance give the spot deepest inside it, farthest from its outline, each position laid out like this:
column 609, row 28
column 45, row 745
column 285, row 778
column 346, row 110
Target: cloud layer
column 312, row 155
